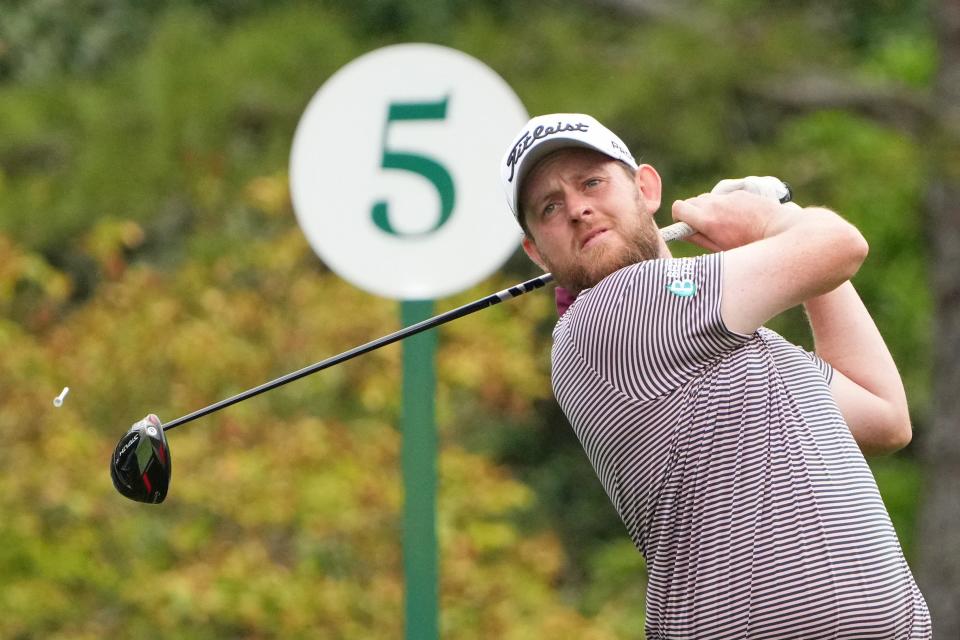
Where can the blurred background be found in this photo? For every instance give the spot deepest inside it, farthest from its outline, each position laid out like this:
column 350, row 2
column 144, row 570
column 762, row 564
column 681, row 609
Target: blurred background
column 150, row 260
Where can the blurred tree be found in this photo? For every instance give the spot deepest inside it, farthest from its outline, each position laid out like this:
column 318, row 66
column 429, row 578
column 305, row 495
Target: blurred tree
column 41, row 39
column 148, row 251
column 940, row 516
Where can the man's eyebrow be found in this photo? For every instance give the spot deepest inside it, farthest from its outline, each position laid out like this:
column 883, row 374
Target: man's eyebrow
column 533, row 199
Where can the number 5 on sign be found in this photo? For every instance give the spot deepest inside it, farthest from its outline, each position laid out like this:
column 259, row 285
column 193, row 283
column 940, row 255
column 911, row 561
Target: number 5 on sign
column 415, row 163
column 394, row 171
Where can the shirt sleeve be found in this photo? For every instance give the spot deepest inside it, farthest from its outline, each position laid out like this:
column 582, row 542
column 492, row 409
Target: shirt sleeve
column 653, row 326
column 824, row 367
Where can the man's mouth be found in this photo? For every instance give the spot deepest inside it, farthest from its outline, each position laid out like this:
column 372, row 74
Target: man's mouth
column 591, row 237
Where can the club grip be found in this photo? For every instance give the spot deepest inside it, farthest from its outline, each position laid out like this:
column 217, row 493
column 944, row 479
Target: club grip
column 676, row 231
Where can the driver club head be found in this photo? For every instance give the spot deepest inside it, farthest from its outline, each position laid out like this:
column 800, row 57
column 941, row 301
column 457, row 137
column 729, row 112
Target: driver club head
column 141, row 466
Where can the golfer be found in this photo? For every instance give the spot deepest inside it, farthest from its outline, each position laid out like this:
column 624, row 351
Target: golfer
column 734, row 458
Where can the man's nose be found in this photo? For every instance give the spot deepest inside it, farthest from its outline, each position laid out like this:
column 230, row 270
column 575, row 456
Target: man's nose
column 578, row 207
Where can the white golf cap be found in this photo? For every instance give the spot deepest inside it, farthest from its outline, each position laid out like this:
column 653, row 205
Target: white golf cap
column 546, row 134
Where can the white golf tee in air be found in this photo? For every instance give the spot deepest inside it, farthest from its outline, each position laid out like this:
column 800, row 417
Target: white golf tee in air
column 59, row 399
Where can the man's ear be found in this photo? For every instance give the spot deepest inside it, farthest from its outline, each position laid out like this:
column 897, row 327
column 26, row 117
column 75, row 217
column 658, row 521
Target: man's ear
column 648, row 183
column 533, row 253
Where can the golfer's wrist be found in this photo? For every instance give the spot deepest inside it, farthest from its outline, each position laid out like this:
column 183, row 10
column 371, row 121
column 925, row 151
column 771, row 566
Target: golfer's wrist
column 783, row 219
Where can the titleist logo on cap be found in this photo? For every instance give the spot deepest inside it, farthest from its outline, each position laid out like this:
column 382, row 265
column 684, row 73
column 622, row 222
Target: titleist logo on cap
column 529, row 138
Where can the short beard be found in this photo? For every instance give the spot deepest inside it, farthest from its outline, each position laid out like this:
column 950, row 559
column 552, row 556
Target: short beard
column 642, row 244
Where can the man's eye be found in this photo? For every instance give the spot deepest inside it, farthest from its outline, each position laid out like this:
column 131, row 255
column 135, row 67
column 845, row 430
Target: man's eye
column 592, row 182
column 550, row 208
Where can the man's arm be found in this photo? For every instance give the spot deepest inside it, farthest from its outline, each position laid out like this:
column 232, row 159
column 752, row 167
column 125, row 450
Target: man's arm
column 866, row 383
column 778, row 256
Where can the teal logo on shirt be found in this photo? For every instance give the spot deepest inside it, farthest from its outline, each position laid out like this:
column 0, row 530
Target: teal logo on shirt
column 682, row 288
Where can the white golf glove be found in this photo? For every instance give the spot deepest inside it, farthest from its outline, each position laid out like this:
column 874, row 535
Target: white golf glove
column 761, row 185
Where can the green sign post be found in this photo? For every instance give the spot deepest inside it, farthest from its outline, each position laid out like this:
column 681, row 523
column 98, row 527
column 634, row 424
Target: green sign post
column 418, row 458
column 395, row 183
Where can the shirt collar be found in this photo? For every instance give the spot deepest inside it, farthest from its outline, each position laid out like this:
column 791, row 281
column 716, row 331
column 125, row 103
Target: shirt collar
column 564, row 299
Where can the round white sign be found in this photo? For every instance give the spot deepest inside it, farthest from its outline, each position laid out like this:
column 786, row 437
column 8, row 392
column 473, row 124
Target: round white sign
column 394, row 171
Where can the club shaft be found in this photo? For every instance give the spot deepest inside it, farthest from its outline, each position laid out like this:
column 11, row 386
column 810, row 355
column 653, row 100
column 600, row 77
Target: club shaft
column 429, row 323
column 672, row 232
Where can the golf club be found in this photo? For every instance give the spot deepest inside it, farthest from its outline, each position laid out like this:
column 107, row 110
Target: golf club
column 140, row 466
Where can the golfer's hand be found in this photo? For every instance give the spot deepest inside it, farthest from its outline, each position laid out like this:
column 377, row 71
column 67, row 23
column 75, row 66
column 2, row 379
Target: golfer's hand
column 727, row 221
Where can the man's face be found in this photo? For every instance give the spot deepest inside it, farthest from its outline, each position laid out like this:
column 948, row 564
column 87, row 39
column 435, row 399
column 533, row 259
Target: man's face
column 586, row 217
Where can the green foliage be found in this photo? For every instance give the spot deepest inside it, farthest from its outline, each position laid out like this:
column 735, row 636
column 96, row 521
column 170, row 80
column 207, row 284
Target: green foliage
column 283, row 518
column 150, row 260
column 170, row 134
column 43, row 39
column 899, row 483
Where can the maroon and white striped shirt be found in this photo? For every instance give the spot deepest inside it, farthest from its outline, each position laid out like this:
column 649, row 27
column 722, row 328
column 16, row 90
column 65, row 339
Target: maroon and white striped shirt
column 730, row 464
